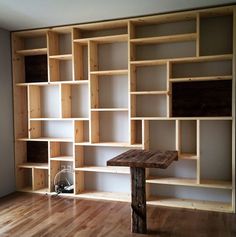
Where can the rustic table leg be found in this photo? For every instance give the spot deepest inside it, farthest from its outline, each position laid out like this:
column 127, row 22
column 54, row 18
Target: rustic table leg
column 138, row 200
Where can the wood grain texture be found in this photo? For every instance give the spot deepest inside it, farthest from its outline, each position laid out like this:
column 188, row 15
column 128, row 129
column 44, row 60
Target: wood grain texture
column 138, row 199
column 144, row 159
column 28, row 215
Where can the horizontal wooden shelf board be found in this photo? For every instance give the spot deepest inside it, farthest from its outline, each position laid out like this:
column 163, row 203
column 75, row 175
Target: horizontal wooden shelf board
column 105, row 169
column 182, row 60
column 62, row 158
column 110, row 72
column 54, row 83
column 59, row 119
column 183, row 118
column 210, row 78
column 110, row 144
column 111, row 196
column 34, row 165
column 190, row 182
column 104, row 39
column 110, row 109
column 50, row 139
column 31, row 52
column 188, row 156
column 190, row 204
column 61, row 57
column 165, row 39
column 149, row 93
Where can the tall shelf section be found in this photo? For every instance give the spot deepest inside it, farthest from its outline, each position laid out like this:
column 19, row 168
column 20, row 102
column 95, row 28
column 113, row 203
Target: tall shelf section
column 86, row 93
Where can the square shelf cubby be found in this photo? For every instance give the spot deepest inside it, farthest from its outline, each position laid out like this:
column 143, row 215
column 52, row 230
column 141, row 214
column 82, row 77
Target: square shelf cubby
column 75, row 101
column 44, row 101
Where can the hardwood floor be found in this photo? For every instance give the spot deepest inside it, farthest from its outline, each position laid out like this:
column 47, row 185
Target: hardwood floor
column 23, row 215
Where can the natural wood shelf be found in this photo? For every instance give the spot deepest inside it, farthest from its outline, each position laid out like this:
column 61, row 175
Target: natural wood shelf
column 59, row 119
column 62, row 158
column 182, row 60
column 110, row 144
column 47, row 139
column 110, row 109
column 110, row 72
column 59, row 89
column 31, row 52
column 165, row 39
column 110, row 196
column 190, row 182
column 104, row 39
column 78, row 82
column 149, row 93
column 188, row 156
column 210, row 78
column 190, row 204
column 182, row 118
column 105, row 169
column 34, row 165
column 61, row 57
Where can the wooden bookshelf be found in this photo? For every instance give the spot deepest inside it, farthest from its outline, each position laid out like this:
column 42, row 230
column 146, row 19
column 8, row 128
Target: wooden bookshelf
column 87, row 92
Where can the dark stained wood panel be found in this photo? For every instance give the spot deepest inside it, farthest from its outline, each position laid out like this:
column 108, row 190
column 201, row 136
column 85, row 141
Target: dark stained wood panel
column 37, row 152
column 138, row 200
column 144, row 159
column 202, row 99
column 36, row 69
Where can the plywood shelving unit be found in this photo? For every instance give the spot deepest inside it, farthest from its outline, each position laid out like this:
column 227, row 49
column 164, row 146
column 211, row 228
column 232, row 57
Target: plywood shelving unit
column 85, row 93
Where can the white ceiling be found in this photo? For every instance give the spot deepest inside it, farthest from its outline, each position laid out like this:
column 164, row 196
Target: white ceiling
column 27, row 14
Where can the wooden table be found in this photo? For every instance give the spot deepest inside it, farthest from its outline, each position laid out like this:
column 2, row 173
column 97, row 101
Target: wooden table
column 138, row 160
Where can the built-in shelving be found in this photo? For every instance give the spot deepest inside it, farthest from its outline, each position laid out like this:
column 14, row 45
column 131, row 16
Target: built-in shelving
column 88, row 92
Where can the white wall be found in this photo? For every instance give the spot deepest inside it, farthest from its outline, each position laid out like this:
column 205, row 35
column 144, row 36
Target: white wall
column 28, row 14
column 7, row 179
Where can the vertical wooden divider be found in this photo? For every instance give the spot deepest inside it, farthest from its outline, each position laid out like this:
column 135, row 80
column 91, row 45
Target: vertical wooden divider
column 93, row 116
column 50, row 151
column 53, row 48
column 233, row 112
column 198, row 35
column 169, row 89
column 131, row 83
column 177, row 135
column 198, row 151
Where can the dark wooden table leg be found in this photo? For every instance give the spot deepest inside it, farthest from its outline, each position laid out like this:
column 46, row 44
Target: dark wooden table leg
column 138, row 200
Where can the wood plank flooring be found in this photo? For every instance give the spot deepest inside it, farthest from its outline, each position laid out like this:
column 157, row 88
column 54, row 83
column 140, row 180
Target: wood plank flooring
column 24, row 215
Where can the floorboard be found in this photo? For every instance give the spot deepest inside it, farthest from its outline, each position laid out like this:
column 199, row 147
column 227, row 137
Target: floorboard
column 26, row 215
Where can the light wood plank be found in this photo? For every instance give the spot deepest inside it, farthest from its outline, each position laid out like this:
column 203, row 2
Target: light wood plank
column 190, row 204
column 165, row 39
column 190, row 182
column 110, row 72
column 34, row 165
column 104, row 39
column 31, row 52
column 209, row 78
